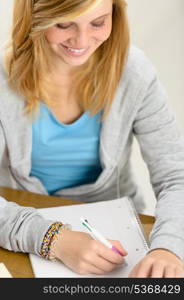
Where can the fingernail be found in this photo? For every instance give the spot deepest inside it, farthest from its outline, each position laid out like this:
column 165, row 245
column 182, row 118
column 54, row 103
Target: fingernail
column 117, row 251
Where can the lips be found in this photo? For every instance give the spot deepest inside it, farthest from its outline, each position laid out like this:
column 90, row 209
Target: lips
column 73, row 47
column 74, row 53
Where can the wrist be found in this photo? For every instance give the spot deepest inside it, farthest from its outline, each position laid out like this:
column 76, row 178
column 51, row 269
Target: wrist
column 51, row 237
column 163, row 250
column 54, row 252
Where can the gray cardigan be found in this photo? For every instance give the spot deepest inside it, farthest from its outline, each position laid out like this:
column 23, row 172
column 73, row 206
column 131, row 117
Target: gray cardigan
column 139, row 109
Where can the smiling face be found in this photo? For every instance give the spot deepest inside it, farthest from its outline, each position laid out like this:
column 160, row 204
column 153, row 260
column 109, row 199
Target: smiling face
column 73, row 43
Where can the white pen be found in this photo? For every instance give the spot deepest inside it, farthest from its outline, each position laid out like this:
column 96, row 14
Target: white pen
column 99, row 236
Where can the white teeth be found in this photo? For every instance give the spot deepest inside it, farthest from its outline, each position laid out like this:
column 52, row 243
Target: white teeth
column 76, row 50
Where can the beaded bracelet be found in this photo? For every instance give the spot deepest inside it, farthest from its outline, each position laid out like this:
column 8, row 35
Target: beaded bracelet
column 45, row 247
column 51, row 254
column 50, row 238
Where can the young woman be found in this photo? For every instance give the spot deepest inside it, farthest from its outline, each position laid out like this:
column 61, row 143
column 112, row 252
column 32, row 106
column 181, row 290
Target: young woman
column 73, row 94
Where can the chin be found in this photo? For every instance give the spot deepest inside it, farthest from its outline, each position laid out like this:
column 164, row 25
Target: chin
column 77, row 62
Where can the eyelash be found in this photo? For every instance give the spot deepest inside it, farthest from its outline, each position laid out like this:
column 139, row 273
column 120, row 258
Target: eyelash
column 95, row 25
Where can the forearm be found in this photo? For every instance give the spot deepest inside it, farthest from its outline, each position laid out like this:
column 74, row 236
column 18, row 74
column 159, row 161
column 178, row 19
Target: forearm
column 162, row 148
column 168, row 229
column 21, row 228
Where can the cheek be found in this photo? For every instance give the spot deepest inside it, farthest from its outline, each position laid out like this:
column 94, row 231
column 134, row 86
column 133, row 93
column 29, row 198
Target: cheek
column 54, row 36
column 104, row 33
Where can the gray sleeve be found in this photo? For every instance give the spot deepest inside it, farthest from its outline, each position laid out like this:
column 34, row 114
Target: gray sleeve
column 21, row 228
column 162, row 148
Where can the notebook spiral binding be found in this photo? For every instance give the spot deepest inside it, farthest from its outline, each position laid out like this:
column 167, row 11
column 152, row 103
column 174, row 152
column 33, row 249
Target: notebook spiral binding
column 137, row 219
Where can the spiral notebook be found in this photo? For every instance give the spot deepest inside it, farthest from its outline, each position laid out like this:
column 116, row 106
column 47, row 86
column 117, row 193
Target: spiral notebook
column 115, row 219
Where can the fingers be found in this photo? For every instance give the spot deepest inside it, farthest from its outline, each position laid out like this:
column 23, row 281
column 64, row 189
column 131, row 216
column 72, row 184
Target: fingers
column 173, row 272
column 103, row 265
column 95, row 264
column 100, row 259
column 108, row 254
column 95, row 270
column 119, row 247
column 169, row 271
column 163, row 271
column 92, row 269
column 156, row 269
column 179, row 273
column 87, row 268
column 141, row 270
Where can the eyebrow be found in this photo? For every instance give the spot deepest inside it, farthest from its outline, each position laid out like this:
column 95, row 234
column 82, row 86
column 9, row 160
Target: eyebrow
column 97, row 17
column 101, row 17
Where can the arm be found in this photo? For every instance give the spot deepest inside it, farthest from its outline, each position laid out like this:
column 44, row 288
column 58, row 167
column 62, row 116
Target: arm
column 162, row 148
column 21, row 228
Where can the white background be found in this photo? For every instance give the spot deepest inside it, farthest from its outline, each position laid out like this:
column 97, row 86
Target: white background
column 157, row 26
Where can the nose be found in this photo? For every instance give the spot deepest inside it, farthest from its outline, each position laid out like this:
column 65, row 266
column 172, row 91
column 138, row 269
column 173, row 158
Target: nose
column 81, row 38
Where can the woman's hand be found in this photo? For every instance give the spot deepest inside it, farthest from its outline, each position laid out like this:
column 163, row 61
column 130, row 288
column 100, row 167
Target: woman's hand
column 159, row 263
column 84, row 255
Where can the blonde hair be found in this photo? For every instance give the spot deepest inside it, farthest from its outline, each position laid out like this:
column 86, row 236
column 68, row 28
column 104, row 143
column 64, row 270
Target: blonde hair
column 27, row 57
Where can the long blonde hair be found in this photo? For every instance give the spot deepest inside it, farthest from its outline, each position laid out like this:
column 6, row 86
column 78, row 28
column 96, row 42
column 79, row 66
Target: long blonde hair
column 27, row 56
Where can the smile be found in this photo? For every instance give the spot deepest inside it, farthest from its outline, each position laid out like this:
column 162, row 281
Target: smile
column 78, row 52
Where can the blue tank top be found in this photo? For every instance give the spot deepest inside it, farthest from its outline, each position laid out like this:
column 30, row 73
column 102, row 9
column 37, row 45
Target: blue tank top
column 65, row 155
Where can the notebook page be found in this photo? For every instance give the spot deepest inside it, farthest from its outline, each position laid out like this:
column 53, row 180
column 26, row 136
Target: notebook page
column 115, row 219
column 4, row 273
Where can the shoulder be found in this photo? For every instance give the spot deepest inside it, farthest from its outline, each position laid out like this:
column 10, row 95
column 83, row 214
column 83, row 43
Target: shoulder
column 137, row 78
column 139, row 68
column 9, row 99
column 3, row 76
